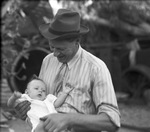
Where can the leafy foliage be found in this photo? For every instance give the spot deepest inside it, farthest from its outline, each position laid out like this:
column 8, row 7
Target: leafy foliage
column 108, row 20
column 125, row 19
column 20, row 30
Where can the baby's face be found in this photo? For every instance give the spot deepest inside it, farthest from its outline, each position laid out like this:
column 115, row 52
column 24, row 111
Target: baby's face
column 36, row 90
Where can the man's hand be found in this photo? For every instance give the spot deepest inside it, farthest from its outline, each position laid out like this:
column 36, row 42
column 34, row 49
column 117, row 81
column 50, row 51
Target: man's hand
column 22, row 108
column 55, row 122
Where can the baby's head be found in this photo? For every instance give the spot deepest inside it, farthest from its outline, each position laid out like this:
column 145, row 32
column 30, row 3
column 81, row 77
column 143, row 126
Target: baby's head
column 36, row 89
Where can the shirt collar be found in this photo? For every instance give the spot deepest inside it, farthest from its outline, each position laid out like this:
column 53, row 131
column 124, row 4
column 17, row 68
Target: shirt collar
column 75, row 58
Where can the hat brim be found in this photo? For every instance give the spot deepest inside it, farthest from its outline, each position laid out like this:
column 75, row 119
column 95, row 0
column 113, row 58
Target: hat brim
column 48, row 35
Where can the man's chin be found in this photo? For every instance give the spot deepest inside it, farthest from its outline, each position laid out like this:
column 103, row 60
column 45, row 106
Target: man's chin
column 61, row 60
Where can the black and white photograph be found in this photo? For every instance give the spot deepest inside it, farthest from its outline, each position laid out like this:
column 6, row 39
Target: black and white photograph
column 75, row 66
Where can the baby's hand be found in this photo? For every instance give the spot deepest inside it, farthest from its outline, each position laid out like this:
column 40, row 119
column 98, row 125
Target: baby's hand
column 17, row 94
column 13, row 99
column 67, row 90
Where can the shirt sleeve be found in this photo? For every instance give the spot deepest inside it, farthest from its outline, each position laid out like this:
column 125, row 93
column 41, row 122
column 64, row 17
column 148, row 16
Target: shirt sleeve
column 104, row 95
column 51, row 98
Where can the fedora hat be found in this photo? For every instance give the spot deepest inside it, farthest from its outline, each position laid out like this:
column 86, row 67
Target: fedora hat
column 65, row 24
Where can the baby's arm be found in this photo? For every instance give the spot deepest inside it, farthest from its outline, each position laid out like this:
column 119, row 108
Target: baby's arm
column 60, row 100
column 12, row 100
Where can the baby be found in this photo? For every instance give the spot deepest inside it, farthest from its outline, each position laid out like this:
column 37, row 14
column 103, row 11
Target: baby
column 41, row 105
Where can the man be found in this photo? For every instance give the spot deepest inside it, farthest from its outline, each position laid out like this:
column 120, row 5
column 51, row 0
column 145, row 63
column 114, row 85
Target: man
column 91, row 105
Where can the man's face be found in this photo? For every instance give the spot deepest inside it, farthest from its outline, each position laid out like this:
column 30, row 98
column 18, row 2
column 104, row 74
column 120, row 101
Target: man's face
column 63, row 50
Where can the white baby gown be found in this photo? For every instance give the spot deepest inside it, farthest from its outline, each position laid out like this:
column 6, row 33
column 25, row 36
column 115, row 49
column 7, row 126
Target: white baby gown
column 39, row 108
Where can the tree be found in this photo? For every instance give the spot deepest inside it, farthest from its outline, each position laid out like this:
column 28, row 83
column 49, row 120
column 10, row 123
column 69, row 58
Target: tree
column 19, row 27
column 127, row 17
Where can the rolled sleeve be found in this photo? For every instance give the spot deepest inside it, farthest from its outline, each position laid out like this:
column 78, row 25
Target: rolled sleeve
column 112, row 113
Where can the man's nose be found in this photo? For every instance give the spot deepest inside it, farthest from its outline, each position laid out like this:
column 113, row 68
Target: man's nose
column 56, row 53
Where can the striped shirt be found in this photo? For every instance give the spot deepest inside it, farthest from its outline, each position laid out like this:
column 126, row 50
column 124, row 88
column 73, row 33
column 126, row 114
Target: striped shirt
column 93, row 91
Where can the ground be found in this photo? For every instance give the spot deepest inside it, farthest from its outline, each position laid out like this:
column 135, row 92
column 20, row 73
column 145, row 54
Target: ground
column 135, row 114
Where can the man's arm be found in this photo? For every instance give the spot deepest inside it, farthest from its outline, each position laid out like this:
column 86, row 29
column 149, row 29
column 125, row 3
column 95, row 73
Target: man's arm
column 78, row 122
column 21, row 108
column 99, row 122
